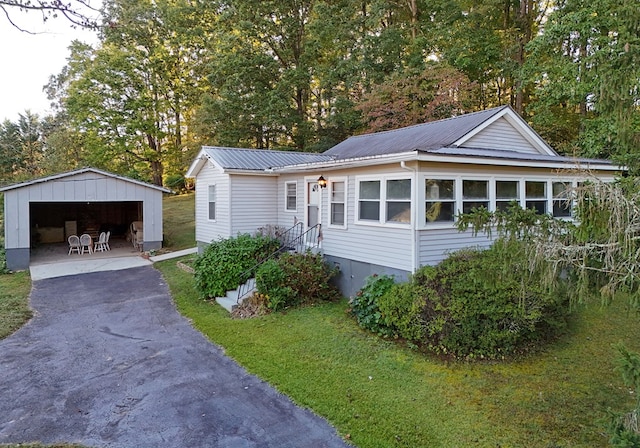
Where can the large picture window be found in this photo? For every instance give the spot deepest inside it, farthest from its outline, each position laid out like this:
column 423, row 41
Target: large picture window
column 212, row 202
column 337, row 199
column 440, row 200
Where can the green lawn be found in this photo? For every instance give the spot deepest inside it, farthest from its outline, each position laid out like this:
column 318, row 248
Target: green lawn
column 179, row 221
column 379, row 394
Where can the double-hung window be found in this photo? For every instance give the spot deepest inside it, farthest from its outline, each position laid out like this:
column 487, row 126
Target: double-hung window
column 212, row 202
column 536, row 196
column 337, row 199
column 384, row 201
column 399, row 200
column 440, row 200
column 291, row 196
column 369, row 200
column 561, row 199
column 507, row 191
column 475, row 194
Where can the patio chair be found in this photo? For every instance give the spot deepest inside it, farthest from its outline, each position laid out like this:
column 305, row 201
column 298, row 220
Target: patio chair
column 86, row 243
column 74, row 244
column 106, row 241
column 100, row 244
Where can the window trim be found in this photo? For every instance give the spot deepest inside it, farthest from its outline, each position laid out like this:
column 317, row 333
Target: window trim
column 286, row 196
column 382, row 213
column 344, row 202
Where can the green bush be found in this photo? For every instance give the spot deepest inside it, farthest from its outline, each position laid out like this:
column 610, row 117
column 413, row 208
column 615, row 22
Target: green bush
column 365, row 305
column 224, row 264
column 401, row 310
column 487, row 304
column 295, row 279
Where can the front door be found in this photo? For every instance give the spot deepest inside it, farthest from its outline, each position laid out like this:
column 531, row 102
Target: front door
column 313, row 204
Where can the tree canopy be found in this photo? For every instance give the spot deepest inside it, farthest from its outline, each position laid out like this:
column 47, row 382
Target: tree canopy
column 168, row 76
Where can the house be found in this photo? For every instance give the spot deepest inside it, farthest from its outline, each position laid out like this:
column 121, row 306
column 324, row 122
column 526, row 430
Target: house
column 391, row 198
column 49, row 209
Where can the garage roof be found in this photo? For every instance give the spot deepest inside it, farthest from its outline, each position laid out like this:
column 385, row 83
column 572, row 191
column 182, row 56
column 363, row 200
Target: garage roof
column 81, row 171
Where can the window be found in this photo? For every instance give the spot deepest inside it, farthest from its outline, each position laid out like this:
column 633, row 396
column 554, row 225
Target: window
column 399, row 200
column 441, row 200
column 337, row 200
column 475, row 194
column 212, row 202
column 561, row 199
column 507, row 191
column 369, row 200
column 291, row 196
column 536, row 196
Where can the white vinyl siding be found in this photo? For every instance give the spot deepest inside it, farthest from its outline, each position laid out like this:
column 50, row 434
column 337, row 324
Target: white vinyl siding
column 253, row 202
column 206, row 229
column 501, row 135
column 434, row 245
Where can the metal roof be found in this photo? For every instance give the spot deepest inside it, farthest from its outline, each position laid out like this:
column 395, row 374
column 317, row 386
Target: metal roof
column 434, row 134
column 81, row 171
column 259, row 159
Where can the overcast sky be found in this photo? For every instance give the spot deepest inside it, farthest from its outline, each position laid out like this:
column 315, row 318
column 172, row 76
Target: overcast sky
column 27, row 61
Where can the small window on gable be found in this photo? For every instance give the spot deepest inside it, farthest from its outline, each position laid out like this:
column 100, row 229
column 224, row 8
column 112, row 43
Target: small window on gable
column 291, row 196
column 337, row 199
column 212, row 202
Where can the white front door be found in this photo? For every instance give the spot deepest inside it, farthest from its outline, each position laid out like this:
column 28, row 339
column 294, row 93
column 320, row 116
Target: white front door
column 312, row 204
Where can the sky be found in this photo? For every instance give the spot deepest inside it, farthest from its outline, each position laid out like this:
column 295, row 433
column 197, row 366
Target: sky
column 27, row 60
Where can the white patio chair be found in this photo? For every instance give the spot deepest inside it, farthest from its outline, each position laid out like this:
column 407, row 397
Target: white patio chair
column 106, row 241
column 74, row 244
column 86, row 243
column 100, row 244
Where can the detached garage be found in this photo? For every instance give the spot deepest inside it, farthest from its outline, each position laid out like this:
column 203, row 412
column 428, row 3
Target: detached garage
column 87, row 200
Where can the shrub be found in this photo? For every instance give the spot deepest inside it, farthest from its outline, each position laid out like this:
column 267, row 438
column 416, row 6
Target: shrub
column 365, row 305
column 487, row 303
column 401, row 311
column 225, row 264
column 295, row 279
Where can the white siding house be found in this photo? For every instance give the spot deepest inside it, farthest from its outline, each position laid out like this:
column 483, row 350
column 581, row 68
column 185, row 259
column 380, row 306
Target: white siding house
column 392, row 197
column 44, row 210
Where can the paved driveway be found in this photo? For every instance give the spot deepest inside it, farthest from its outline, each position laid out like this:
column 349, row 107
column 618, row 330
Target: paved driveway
column 108, row 361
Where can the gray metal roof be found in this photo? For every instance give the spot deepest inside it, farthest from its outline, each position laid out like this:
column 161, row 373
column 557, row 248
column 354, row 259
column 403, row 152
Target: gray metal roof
column 513, row 155
column 435, row 134
column 260, row 159
column 81, row 171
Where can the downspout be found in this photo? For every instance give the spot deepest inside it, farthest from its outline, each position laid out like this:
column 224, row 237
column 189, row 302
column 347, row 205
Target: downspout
column 414, row 206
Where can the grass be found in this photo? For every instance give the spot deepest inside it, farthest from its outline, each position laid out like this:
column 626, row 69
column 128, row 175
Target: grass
column 179, row 221
column 380, row 394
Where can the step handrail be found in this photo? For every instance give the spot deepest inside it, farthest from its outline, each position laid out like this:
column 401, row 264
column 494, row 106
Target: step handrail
column 299, row 242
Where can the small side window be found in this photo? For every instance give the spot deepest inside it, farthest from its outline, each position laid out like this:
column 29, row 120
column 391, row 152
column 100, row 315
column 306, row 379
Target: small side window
column 212, row 202
column 291, row 196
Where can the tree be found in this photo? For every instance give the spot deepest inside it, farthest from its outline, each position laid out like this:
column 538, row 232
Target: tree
column 77, row 12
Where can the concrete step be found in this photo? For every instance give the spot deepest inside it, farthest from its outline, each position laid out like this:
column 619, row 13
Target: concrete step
column 231, row 299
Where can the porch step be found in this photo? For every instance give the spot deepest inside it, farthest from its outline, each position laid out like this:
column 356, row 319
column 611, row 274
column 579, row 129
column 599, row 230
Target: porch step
column 231, row 299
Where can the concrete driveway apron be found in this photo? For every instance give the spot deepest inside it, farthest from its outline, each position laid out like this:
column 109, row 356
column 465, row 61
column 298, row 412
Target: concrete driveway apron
column 108, row 361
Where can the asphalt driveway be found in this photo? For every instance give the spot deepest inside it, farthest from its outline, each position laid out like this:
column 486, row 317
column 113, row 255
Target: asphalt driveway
column 108, row 361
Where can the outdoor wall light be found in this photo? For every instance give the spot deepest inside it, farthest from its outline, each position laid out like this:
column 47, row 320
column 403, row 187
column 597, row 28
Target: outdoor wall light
column 322, row 182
